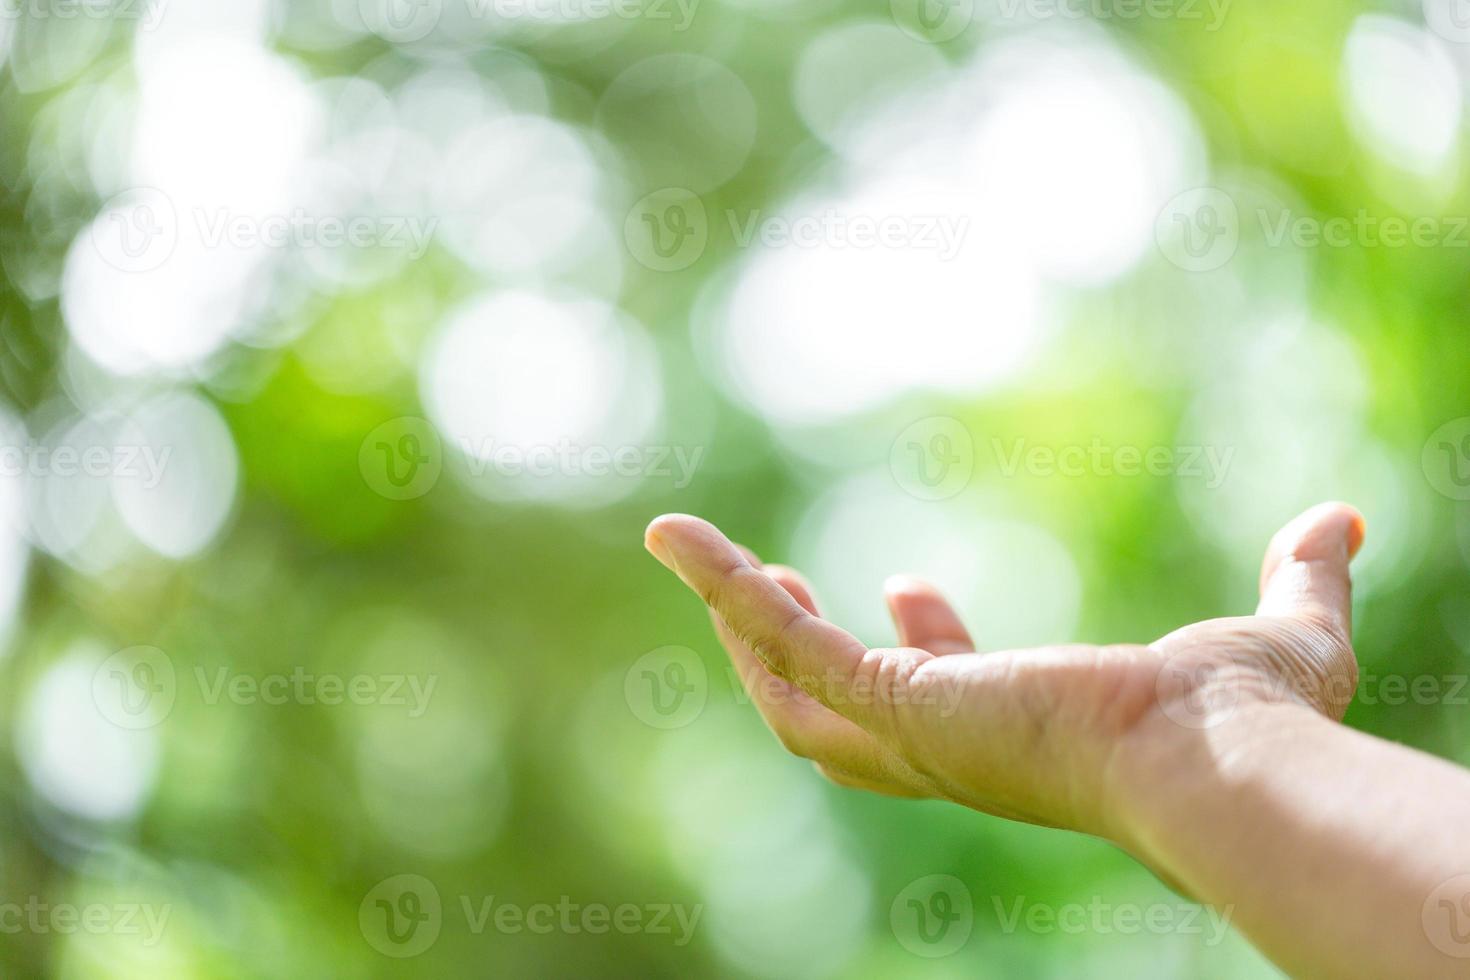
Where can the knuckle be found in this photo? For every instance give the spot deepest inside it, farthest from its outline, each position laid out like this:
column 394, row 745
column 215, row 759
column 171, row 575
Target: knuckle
column 882, row 683
column 771, row 645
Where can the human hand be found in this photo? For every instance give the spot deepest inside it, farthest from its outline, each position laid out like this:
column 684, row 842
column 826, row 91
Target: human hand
column 1041, row 735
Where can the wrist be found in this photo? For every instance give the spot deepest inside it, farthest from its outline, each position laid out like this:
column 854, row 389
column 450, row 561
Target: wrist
column 1167, row 778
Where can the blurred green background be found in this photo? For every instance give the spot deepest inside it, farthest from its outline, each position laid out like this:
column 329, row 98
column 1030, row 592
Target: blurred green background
column 349, row 346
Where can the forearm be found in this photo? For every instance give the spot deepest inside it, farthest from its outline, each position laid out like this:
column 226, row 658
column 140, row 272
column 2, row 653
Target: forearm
column 1330, row 848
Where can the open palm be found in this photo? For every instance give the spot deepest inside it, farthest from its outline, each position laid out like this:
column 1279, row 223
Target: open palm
column 1035, row 735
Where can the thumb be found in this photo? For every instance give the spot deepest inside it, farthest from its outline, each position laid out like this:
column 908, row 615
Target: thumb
column 1305, row 574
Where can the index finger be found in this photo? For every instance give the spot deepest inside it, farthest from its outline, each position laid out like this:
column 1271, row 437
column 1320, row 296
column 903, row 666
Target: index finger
column 810, row 652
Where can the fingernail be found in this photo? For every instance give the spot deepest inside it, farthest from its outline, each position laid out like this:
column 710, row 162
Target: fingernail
column 902, row 583
column 1356, row 532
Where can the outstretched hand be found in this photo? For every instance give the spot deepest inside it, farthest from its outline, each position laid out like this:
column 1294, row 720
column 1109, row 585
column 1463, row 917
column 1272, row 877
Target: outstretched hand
column 1048, row 735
